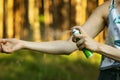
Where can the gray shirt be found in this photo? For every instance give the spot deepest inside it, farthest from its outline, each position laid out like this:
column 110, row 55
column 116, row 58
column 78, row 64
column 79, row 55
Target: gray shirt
column 113, row 36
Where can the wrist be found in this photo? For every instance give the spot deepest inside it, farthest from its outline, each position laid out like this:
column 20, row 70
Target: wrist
column 24, row 44
column 100, row 48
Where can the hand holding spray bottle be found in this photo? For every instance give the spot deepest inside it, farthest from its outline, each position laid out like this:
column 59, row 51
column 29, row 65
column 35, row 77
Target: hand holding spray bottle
column 86, row 52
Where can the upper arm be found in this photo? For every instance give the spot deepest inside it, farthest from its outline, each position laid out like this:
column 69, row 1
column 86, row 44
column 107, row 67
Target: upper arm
column 96, row 22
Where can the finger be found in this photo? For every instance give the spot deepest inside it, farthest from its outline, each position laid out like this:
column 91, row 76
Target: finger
column 80, row 42
column 7, row 40
column 80, row 29
column 6, row 49
column 73, row 39
column 80, row 36
column 75, row 27
column 3, row 48
column 4, row 41
column 81, row 47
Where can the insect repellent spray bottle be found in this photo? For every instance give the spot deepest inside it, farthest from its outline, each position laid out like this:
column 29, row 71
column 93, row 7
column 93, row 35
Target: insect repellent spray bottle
column 85, row 51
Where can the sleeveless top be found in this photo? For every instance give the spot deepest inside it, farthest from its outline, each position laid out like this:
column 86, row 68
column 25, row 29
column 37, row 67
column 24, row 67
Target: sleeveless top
column 113, row 36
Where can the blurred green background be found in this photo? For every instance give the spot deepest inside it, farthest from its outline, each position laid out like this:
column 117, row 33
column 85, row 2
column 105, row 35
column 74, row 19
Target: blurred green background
column 32, row 65
column 46, row 20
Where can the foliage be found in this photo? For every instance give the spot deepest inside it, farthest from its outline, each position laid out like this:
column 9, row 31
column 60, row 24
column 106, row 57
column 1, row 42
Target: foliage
column 31, row 65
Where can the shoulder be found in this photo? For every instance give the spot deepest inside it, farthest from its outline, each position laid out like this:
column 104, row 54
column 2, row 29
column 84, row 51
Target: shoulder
column 105, row 5
column 103, row 9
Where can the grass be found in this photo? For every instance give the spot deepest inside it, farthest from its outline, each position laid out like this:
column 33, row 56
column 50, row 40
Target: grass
column 31, row 65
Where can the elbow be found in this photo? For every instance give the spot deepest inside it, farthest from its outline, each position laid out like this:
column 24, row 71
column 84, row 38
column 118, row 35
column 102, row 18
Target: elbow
column 69, row 48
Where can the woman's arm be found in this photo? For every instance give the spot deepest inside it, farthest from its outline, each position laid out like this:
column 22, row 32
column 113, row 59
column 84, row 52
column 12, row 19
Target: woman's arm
column 97, row 21
column 110, row 52
column 93, row 26
column 51, row 47
column 90, row 44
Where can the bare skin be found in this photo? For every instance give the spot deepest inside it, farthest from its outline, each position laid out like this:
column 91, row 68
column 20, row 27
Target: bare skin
column 93, row 26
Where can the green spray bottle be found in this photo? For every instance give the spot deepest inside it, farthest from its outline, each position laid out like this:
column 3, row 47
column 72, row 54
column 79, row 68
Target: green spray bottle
column 86, row 52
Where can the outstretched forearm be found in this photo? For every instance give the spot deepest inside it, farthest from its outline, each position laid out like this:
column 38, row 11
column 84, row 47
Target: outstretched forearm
column 110, row 52
column 51, row 47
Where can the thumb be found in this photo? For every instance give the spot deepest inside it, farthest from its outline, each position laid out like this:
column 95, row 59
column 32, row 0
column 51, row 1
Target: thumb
column 80, row 29
column 3, row 48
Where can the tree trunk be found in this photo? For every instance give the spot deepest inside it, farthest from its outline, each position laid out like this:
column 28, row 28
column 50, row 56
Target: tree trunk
column 9, row 18
column 66, row 20
column 80, row 11
column 48, row 20
column 34, row 19
column 1, row 17
column 4, row 19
